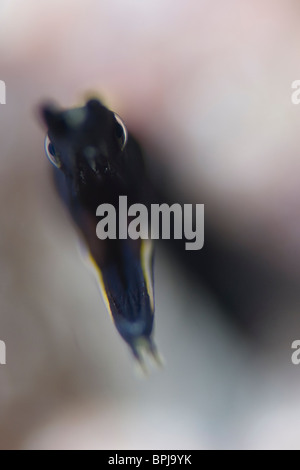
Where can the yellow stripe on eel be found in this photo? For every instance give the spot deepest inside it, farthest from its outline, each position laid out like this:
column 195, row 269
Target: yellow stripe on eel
column 101, row 284
column 146, row 259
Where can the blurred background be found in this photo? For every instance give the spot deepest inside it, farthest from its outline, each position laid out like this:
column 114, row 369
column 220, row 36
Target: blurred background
column 206, row 88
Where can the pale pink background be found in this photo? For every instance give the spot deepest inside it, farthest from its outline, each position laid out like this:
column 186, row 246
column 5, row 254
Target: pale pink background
column 209, row 83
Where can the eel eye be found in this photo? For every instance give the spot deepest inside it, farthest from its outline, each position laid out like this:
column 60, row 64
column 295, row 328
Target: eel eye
column 121, row 131
column 51, row 153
